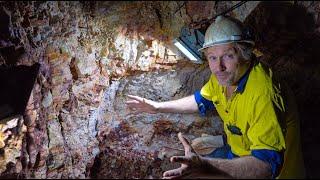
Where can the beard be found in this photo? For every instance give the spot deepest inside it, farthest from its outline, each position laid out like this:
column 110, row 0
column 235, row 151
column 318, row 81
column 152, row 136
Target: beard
column 225, row 78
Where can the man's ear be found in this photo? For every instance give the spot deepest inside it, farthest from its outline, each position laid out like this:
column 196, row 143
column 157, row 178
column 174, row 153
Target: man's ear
column 245, row 61
column 248, row 61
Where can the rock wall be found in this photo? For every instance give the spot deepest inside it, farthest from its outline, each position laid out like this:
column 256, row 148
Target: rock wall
column 82, row 47
column 94, row 53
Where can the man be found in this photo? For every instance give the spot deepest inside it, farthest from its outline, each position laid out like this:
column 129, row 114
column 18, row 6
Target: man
column 259, row 115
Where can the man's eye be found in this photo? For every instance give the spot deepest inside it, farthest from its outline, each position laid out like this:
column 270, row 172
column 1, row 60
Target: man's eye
column 228, row 56
column 212, row 58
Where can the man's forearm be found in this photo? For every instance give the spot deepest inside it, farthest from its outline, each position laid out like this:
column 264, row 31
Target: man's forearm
column 244, row 167
column 183, row 105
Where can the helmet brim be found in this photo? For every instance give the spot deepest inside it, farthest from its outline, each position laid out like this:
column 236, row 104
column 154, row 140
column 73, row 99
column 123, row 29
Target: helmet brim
column 225, row 42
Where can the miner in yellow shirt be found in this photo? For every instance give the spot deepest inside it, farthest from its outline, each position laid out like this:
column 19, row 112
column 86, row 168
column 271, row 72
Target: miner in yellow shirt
column 258, row 111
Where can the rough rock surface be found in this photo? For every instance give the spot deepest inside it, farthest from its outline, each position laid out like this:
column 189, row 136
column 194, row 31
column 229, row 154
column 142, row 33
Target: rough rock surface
column 94, row 53
column 140, row 143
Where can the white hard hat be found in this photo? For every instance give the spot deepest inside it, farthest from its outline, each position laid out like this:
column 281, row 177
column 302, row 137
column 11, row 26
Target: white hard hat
column 225, row 30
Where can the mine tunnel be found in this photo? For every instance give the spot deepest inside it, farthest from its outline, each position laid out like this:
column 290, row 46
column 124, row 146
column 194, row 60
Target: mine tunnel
column 68, row 66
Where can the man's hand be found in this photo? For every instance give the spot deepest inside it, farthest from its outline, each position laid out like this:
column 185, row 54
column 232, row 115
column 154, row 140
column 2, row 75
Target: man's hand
column 139, row 104
column 191, row 163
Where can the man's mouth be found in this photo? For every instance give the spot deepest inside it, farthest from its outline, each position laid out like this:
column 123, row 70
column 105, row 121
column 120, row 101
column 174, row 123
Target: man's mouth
column 221, row 75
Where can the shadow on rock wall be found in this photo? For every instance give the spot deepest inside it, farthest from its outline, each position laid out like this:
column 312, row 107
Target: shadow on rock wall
column 286, row 35
column 9, row 53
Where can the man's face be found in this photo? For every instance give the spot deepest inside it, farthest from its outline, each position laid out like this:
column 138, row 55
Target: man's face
column 225, row 64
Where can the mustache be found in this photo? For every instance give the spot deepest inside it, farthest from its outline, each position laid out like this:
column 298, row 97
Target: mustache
column 221, row 73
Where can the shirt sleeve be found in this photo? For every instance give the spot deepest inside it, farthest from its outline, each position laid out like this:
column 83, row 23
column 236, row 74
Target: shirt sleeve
column 273, row 158
column 203, row 103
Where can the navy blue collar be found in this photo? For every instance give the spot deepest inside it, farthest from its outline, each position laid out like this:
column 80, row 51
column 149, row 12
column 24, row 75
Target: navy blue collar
column 243, row 80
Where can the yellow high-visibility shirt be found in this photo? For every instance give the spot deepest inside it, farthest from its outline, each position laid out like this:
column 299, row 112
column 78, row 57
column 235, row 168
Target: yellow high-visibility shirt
column 265, row 113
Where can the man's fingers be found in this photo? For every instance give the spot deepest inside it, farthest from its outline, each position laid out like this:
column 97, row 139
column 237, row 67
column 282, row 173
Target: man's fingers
column 176, row 173
column 170, row 177
column 185, row 143
column 132, row 96
column 180, row 159
column 132, row 113
column 132, row 102
column 173, row 173
column 132, row 105
column 140, row 99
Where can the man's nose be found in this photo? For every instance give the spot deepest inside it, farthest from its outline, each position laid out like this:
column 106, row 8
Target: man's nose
column 220, row 64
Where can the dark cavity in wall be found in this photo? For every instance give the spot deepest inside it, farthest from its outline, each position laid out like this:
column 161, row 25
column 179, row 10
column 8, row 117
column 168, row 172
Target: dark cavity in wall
column 17, row 83
column 93, row 172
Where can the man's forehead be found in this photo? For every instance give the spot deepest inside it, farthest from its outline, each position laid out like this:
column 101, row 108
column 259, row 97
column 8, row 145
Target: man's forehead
column 220, row 48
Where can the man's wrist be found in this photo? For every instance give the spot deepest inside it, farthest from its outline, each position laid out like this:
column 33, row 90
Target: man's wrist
column 205, row 163
column 210, row 166
column 158, row 106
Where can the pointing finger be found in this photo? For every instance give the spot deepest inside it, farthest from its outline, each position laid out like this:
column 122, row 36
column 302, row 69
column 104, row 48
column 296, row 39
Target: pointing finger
column 132, row 102
column 185, row 143
column 172, row 173
column 135, row 97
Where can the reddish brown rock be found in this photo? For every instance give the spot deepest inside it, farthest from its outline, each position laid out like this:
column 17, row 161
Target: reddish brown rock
column 94, row 53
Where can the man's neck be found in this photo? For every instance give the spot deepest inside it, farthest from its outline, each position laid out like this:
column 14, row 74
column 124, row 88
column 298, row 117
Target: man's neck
column 230, row 90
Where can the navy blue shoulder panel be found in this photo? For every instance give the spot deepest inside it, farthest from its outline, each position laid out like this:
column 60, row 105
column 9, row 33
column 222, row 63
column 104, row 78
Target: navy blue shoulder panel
column 203, row 103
